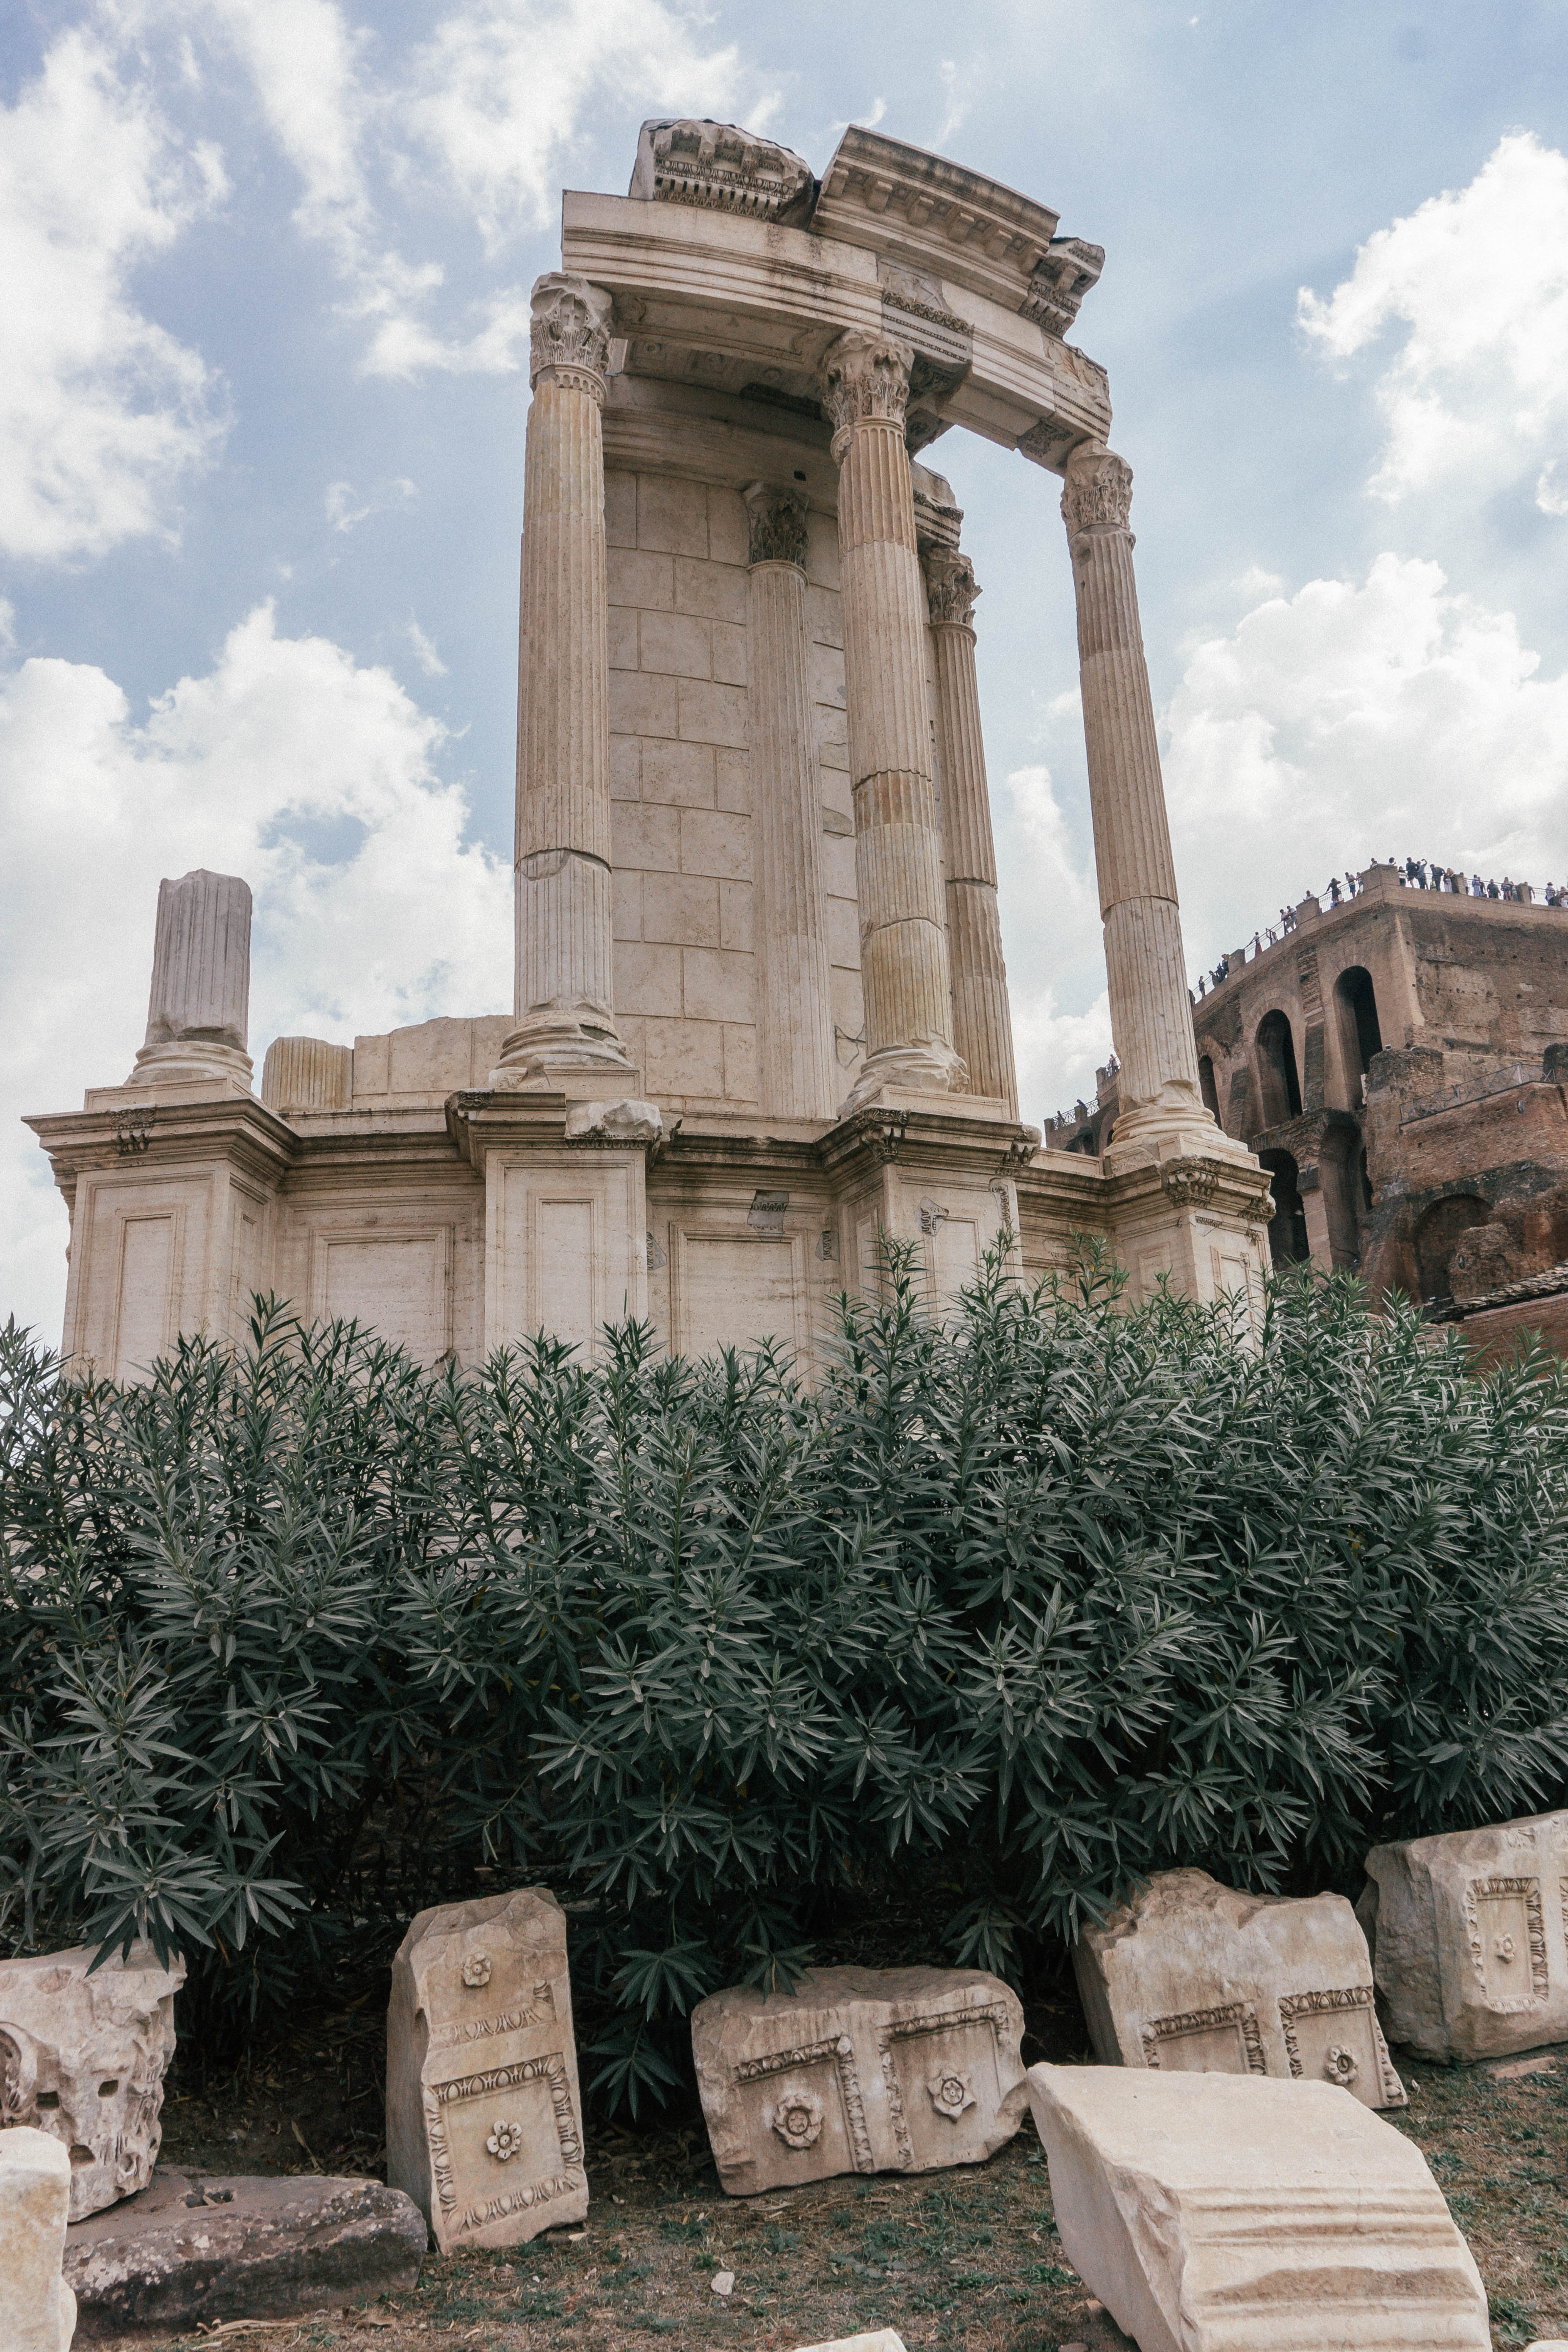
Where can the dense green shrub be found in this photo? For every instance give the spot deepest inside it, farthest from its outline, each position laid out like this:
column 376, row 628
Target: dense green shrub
column 294, row 1640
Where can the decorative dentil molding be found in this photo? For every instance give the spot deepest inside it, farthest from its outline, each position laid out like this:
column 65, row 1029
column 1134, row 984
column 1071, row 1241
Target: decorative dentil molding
column 569, row 334
column 1098, row 492
column 952, row 588
column 721, row 168
column 864, row 377
column 775, row 517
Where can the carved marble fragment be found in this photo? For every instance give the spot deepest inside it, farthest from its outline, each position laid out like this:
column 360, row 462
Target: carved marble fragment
column 484, row 2115
column 37, row 2310
column 1192, row 1978
column 83, row 2057
column 1470, row 1937
column 858, row 2070
column 1225, row 2214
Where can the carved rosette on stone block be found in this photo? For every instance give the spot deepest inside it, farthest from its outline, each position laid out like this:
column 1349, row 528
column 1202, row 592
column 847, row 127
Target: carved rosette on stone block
column 37, row 2310
column 858, row 2070
column 1192, row 1978
column 1216, row 2215
column 484, row 2115
column 83, row 2057
column 1469, row 1938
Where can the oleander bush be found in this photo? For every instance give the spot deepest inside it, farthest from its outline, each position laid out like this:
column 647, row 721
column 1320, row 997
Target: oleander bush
column 298, row 1638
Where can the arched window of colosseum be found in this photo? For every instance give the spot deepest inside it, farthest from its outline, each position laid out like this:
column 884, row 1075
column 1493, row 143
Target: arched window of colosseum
column 1287, row 1244
column 1281, row 1089
column 1210, row 1091
column 1361, row 1036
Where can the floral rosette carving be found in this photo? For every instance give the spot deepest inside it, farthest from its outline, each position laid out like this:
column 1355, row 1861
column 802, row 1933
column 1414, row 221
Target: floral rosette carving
column 478, row 1969
column 1339, row 2066
column 796, row 2117
column 949, row 2092
column 505, row 2139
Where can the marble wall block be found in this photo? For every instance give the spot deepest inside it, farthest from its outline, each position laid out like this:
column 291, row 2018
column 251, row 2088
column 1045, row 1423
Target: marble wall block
column 37, row 2310
column 1216, row 2213
column 484, row 2115
column 1469, row 1938
column 82, row 2057
column 858, row 2070
column 1192, row 1977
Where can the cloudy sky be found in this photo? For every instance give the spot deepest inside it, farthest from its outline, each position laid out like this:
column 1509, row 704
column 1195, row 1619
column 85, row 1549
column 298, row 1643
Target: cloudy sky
column 262, row 393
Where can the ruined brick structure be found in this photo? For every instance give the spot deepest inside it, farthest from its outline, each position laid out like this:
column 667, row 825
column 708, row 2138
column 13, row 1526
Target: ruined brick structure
column 1399, row 1062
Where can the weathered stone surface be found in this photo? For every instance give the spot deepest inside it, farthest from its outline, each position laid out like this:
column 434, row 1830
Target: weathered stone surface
column 883, row 2339
column 37, row 2310
column 628, row 1121
column 1213, row 2214
column 484, row 2124
column 199, row 2247
column 1192, row 1977
column 82, row 2057
column 1467, row 1935
column 858, row 2070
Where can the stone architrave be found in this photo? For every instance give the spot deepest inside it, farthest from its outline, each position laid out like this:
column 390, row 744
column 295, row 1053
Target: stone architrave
column 198, row 1007
column 1469, row 1938
column 1217, row 2214
column 83, row 2056
column 1192, row 1978
column 484, row 2115
column 858, row 2070
column 564, row 1003
column 37, row 2310
column 897, row 831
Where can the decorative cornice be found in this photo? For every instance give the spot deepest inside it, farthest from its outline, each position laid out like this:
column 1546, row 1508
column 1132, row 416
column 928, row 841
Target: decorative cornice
column 864, row 377
column 569, row 334
column 776, row 518
column 1190, row 1183
column 1098, row 492
column 952, row 588
column 722, row 168
column 1058, row 283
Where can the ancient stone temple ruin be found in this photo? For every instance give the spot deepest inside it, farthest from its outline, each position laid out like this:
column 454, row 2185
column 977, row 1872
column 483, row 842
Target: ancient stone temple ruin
column 759, row 1015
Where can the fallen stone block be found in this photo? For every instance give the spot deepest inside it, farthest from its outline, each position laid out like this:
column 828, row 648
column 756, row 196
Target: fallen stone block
column 1468, row 1937
column 198, row 2247
column 83, row 2057
column 38, row 2309
column 484, row 2124
column 1217, row 2213
column 883, row 2339
column 858, row 2070
column 1192, row 1977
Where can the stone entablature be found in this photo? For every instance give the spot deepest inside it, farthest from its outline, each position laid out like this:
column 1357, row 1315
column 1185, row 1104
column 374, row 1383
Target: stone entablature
column 759, row 1006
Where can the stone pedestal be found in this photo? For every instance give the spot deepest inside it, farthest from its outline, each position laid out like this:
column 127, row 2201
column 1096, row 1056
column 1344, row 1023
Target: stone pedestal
column 858, row 2070
column 37, row 2310
column 565, row 986
column 83, row 2057
column 484, row 2115
column 983, row 1024
column 898, row 837
column 795, row 1003
column 199, row 1004
column 1215, row 2215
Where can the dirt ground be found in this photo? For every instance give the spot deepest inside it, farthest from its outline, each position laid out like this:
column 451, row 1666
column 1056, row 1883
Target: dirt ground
column 968, row 2258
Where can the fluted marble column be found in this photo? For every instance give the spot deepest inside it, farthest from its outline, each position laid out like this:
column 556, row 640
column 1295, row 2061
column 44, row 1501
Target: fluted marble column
column 564, row 1012
column 898, row 836
column 982, row 1020
column 795, row 1003
column 198, row 1008
column 1151, row 1018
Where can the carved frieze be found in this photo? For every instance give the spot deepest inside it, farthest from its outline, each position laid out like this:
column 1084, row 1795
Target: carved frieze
column 721, row 168
column 776, row 525
column 569, row 332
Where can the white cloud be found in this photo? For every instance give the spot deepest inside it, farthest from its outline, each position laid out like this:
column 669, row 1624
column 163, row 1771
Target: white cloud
column 1351, row 723
column 425, row 652
column 102, row 410
column 1477, row 281
column 342, row 513
column 313, row 778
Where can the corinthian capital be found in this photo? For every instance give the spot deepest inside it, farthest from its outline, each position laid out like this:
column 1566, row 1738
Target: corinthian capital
column 863, row 376
column 777, row 521
column 1098, row 494
column 952, row 587
column 569, row 335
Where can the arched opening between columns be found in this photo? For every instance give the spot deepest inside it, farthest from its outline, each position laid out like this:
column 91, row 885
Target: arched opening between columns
column 1206, row 1085
column 1279, row 1086
column 1361, row 1033
column 1287, row 1242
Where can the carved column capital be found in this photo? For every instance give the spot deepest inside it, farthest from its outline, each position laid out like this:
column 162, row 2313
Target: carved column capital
column 569, row 335
column 1098, row 491
column 952, row 588
column 863, row 376
column 776, row 518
